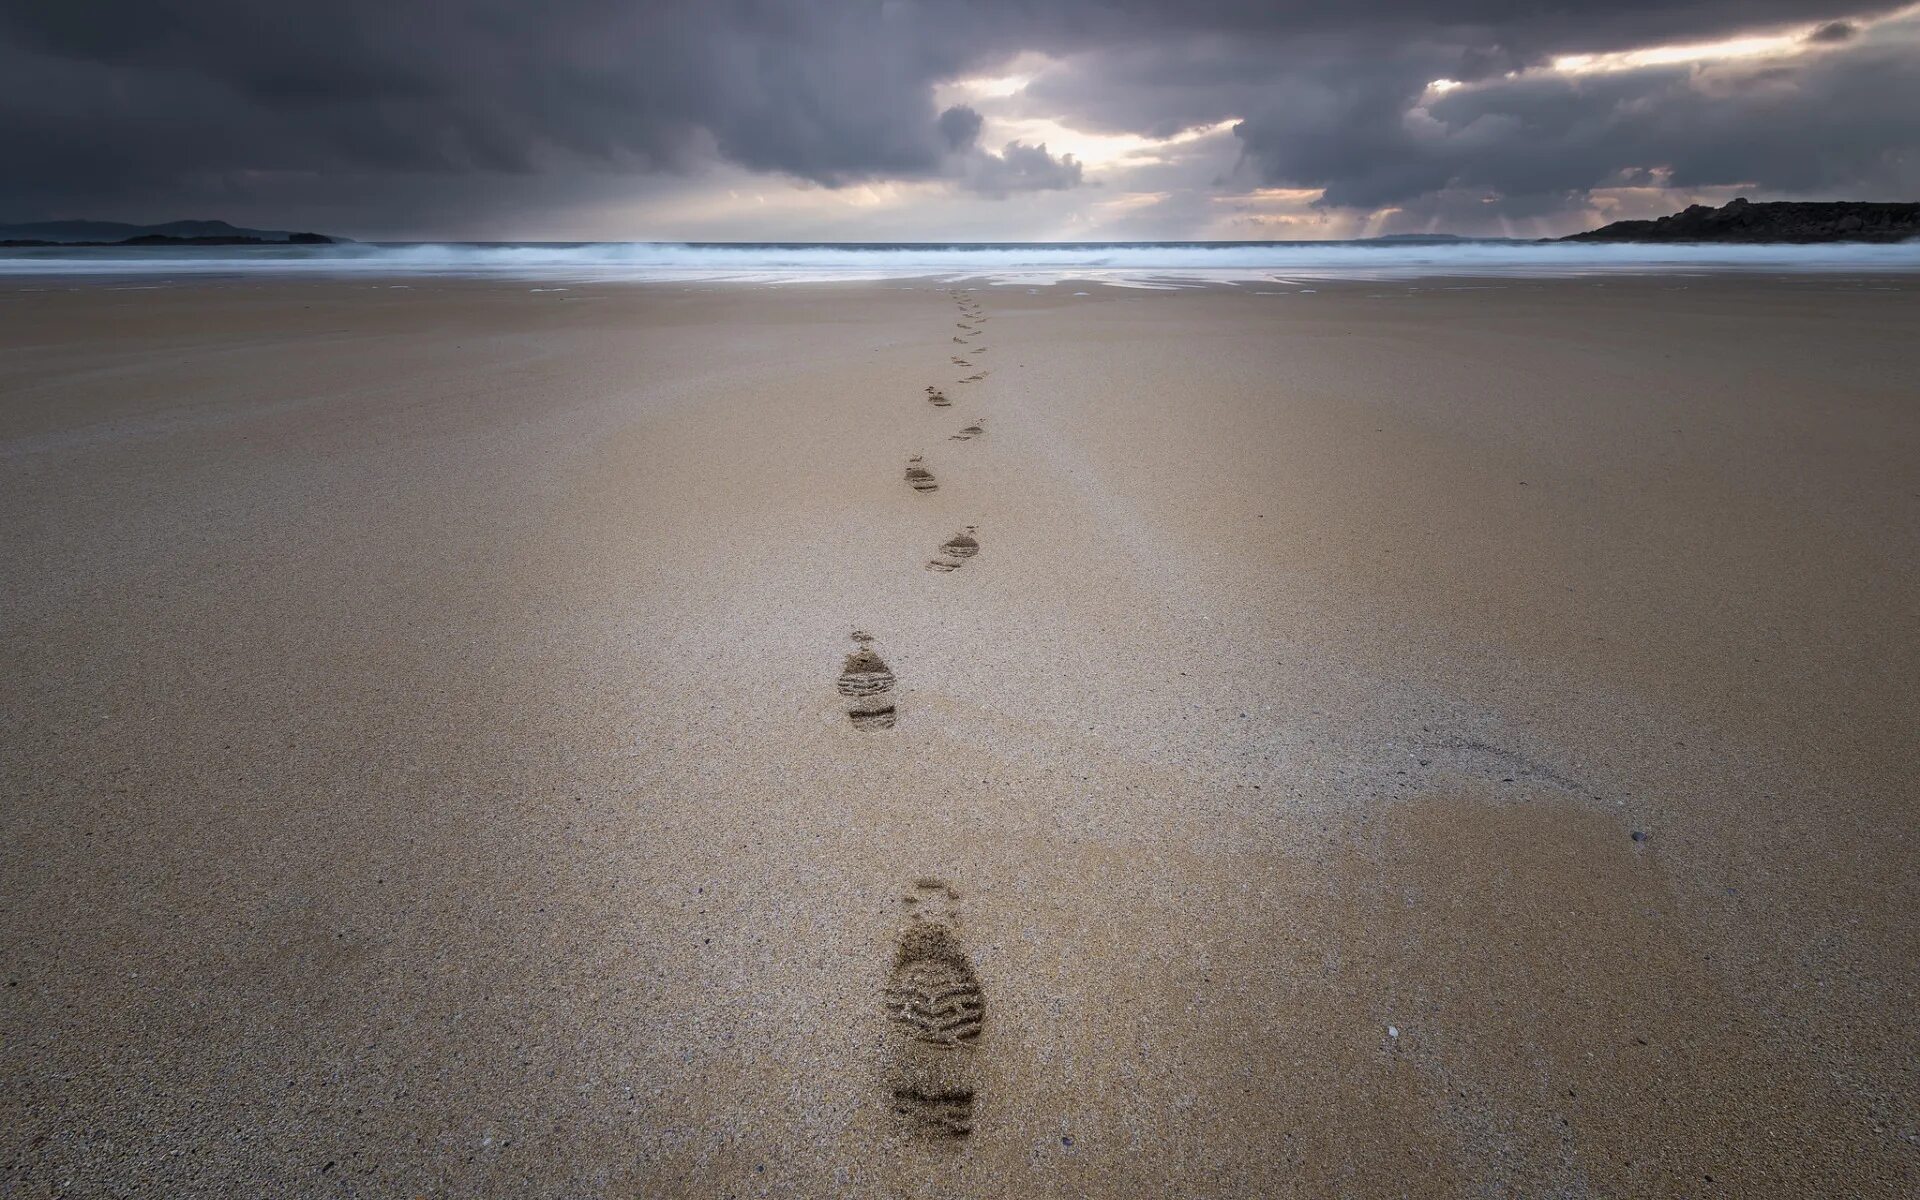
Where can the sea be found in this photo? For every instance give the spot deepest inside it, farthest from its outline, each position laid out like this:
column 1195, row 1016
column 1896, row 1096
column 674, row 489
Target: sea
column 1126, row 264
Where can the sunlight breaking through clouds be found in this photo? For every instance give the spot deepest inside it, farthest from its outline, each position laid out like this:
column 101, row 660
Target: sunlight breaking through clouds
column 1800, row 39
column 1655, row 56
column 1103, row 149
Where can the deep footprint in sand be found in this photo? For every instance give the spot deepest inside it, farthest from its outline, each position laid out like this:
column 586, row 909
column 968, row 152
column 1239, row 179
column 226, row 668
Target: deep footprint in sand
column 937, row 398
column 918, row 477
column 969, row 432
column 959, row 362
column 866, row 680
column 955, row 553
column 934, row 1010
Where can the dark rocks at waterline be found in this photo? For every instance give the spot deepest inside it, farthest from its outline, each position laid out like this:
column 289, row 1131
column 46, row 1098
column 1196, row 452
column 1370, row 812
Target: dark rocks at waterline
column 1772, row 221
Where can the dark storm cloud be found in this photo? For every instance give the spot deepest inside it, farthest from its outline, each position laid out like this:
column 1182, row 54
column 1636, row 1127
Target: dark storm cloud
column 128, row 100
column 411, row 113
column 960, row 126
column 446, row 86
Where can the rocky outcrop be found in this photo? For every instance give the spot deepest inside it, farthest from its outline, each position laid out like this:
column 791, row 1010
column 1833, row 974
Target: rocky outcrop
column 1774, row 221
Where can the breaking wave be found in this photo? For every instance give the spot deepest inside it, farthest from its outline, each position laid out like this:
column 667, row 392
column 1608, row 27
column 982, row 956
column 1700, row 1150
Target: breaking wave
column 1135, row 263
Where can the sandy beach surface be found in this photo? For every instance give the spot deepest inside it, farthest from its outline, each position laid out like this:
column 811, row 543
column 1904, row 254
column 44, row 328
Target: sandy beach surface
column 1434, row 738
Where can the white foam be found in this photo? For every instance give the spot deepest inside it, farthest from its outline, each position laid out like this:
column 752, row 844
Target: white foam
column 1149, row 265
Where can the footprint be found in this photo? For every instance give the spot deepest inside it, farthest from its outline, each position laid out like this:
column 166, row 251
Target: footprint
column 976, row 377
column 960, row 362
column 958, row 338
column 937, row 398
column 954, row 555
column 866, row 679
column 970, row 432
column 918, row 477
column 934, row 1013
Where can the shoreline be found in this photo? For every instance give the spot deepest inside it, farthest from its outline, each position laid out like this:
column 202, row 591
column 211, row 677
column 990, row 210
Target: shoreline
column 1030, row 265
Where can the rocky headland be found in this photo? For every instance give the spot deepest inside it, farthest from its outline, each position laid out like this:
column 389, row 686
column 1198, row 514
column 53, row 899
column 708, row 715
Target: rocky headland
column 1742, row 220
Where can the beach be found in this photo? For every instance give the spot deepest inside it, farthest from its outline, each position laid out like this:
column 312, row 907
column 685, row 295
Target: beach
column 1424, row 737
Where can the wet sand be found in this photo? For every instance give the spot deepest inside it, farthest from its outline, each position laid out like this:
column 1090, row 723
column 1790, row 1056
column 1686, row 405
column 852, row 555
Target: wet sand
column 1389, row 739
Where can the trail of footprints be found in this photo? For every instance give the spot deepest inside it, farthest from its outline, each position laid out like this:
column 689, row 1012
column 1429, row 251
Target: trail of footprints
column 933, row 1003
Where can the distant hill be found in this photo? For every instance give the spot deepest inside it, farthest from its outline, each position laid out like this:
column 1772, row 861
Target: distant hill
column 1774, row 221
column 106, row 233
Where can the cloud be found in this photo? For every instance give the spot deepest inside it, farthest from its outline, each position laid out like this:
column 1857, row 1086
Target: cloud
column 1840, row 118
column 416, row 117
column 1020, row 168
column 116, row 101
column 960, row 126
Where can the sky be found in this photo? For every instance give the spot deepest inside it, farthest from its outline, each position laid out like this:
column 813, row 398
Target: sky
column 884, row 120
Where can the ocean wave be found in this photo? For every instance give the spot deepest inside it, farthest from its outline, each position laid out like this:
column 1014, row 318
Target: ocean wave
column 1137, row 263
